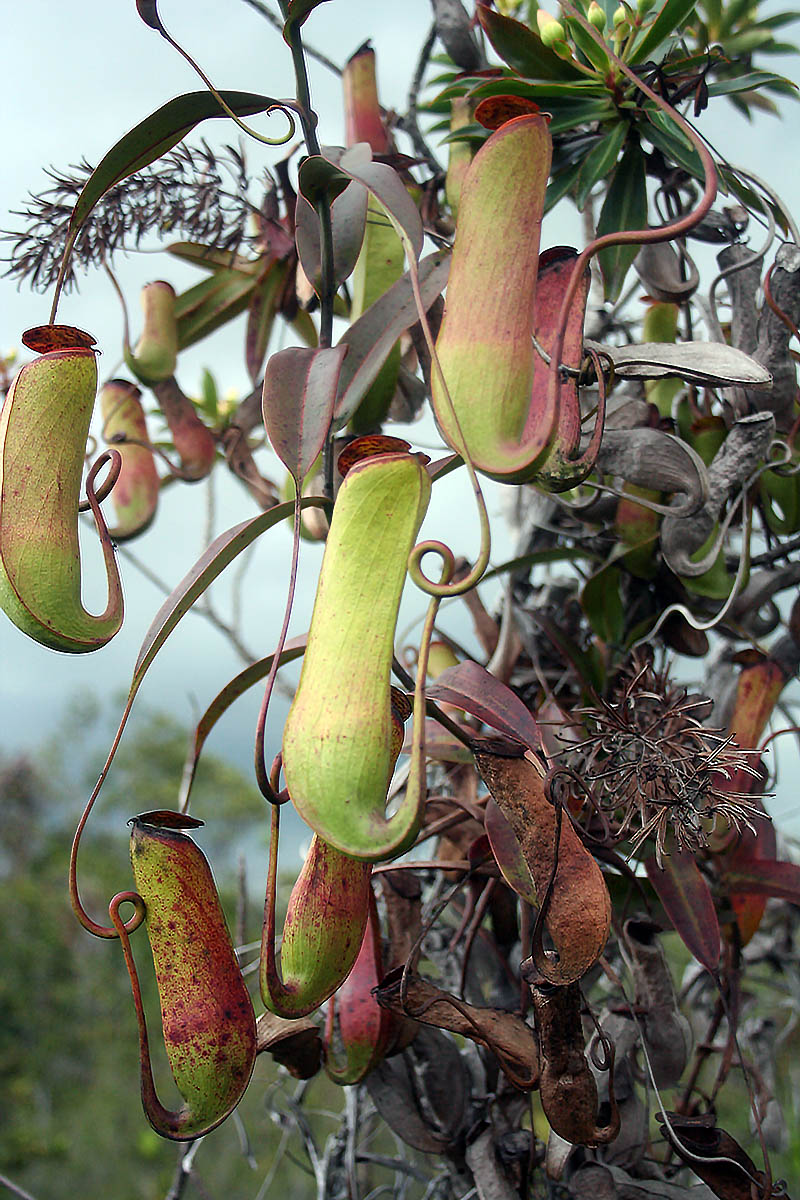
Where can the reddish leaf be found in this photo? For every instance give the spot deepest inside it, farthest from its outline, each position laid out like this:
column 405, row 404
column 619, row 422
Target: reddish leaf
column 299, row 394
column 508, row 853
column 688, row 903
column 765, row 877
column 472, row 688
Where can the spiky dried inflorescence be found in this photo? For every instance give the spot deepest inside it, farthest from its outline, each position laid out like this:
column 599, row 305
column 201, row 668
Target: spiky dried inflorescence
column 192, row 192
column 647, row 756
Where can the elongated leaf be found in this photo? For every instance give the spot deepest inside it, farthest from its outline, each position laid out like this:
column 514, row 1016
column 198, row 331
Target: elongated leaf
column 688, row 903
column 508, row 852
column 697, row 362
column 371, row 337
column 249, row 677
column 765, row 877
column 599, row 162
column 624, row 208
column 261, row 318
column 299, row 395
column 601, row 600
column 744, row 83
column 665, row 136
column 669, row 20
column 523, row 49
column 222, row 551
column 154, row 136
column 212, row 303
column 471, row 687
column 210, row 258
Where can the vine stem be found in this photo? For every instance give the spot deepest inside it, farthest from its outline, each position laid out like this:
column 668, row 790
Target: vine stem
column 322, row 205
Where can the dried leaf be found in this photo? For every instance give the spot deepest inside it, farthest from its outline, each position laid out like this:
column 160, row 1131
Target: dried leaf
column 706, row 363
column 504, row 1034
column 433, row 1068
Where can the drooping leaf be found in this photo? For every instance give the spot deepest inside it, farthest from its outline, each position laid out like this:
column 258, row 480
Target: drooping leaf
column 688, row 903
column 505, row 1034
column 154, row 136
column 249, row 677
column 299, row 395
column 471, row 687
column 624, row 208
column 715, row 1157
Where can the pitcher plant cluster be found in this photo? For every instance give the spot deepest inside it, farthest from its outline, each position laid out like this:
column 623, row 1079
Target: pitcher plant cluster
column 498, row 838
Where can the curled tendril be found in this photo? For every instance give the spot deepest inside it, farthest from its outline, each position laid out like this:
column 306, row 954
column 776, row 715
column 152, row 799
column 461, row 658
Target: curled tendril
column 95, row 496
column 419, row 577
column 738, row 583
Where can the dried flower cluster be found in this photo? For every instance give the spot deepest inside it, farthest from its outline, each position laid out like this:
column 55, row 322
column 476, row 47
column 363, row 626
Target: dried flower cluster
column 648, row 756
column 196, row 193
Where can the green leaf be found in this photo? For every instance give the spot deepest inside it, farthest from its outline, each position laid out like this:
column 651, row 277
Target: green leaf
column 560, row 184
column 151, row 138
column 747, row 83
column 599, row 162
column 212, row 303
column 594, row 54
column 567, row 115
column 669, row 20
column 523, row 49
column 624, row 208
column 602, row 602
column 665, row 135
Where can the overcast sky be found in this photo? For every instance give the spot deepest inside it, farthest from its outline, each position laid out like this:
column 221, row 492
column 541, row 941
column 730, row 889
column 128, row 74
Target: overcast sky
column 74, row 79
